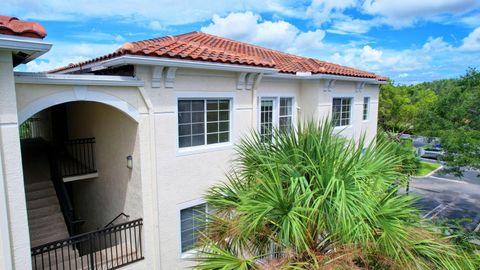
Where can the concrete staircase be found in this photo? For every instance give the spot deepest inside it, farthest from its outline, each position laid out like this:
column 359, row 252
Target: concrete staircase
column 45, row 217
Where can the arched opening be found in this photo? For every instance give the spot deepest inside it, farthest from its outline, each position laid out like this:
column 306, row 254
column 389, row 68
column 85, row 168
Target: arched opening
column 81, row 165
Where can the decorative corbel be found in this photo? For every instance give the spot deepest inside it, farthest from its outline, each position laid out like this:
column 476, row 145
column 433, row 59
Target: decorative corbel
column 359, row 86
column 328, row 86
column 241, row 80
column 157, row 72
column 250, row 80
column 170, row 77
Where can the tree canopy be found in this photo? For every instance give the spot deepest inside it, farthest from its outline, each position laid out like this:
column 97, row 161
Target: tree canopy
column 447, row 109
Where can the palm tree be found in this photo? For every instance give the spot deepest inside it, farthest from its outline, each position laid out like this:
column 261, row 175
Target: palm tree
column 310, row 199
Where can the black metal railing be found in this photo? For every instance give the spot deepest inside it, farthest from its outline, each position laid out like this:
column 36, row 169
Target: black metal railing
column 30, row 129
column 77, row 157
column 115, row 219
column 107, row 248
column 66, row 205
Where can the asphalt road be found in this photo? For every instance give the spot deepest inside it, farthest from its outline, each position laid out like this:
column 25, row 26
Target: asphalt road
column 449, row 197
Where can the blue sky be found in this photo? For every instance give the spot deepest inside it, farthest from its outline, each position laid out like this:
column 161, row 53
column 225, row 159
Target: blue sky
column 409, row 41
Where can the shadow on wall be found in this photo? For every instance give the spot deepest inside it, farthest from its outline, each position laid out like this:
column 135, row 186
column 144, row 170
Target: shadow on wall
column 117, row 189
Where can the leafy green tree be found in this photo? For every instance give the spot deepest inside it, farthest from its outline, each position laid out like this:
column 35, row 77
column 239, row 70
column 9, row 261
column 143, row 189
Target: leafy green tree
column 311, row 199
column 455, row 119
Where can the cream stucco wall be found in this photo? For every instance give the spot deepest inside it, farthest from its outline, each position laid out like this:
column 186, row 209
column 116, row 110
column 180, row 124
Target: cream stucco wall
column 117, row 189
column 165, row 178
column 16, row 242
column 183, row 175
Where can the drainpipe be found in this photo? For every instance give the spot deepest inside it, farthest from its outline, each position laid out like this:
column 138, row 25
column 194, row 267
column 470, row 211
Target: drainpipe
column 256, row 83
column 5, row 248
column 153, row 173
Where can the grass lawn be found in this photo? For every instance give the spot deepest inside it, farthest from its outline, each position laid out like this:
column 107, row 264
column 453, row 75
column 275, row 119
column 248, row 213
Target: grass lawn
column 426, row 168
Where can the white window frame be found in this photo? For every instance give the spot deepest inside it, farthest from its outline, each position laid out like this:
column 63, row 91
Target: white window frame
column 368, row 108
column 352, row 112
column 276, row 110
column 200, row 95
column 192, row 252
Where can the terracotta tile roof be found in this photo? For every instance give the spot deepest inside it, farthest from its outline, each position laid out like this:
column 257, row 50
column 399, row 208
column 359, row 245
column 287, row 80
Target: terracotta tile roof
column 15, row 27
column 205, row 47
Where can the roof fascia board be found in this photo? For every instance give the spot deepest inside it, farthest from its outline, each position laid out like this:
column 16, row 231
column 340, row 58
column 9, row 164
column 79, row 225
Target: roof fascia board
column 68, row 79
column 326, row 77
column 155, row 61
column 35, row 45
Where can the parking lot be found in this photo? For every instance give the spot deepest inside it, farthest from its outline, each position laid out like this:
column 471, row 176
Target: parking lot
column 447, row 196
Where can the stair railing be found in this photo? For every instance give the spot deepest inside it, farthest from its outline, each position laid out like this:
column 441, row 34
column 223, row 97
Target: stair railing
column 115, row 218
column 66, row 205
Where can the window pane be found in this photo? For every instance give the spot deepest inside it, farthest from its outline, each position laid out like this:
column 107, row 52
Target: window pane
column 341, row 111
column 198, row 140
column 192, row 223
column 193, row 115
column 212, row 127
column 223, row 137
column 218, row 116
column 212, row 138
column 212, row 116
column 185, row 141
column 224, row 126
column 184, row 130
column 197, row 105
column 212, row 105
column 224, row 105
column 198, row 129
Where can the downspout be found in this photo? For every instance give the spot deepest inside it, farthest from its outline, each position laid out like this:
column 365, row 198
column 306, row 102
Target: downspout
column 256, row 83
column 153, row 172
column 5, row 247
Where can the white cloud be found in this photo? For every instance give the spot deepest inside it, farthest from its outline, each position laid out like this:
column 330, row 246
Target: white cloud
column 407, row 12
column 352, row 26
column 63, row 53
column 472, row 41
column 321, row 11
column 98, row 36
column 249, row 27
column 165, row 12
column 155, row 25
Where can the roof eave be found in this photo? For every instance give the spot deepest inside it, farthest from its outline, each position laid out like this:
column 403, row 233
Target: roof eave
column 306, row 76
column 33, row 47
column 69, row 79
column 169, row 62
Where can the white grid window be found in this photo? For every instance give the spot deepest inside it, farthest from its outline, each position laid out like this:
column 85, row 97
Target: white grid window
column 203, row 121
column 192, row 223
column 341, row 110
column 285, row 119
column 366, row 105
column 275, row 112
column 266, row 118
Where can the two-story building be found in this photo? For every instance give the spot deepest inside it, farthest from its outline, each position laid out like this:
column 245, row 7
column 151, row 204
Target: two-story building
column 104, row 163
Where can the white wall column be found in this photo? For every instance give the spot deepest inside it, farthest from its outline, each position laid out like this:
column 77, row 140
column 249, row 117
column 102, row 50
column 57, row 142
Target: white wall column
column 12, row 172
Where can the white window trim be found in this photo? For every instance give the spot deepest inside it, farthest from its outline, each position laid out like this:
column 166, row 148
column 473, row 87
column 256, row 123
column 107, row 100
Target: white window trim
column 368, row 108
column 183, row 151
column 352, row 110
column 276, row 109
column 190, row 253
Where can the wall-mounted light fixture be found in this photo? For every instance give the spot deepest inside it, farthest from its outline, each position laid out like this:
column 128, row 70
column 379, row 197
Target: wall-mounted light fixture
column 129, row 162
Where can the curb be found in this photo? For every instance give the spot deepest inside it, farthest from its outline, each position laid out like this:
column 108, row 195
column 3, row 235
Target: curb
column 429, row 174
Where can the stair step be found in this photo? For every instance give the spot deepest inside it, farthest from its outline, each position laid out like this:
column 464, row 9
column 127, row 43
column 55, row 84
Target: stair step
column 42, row 232
column 42, row 202
column 50, row 238
column 45, row 221
column 43, row 211
column 39, row 185
column 41, row 193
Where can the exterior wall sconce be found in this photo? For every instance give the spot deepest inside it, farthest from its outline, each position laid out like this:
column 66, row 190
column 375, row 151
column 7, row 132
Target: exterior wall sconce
column 129, row 162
